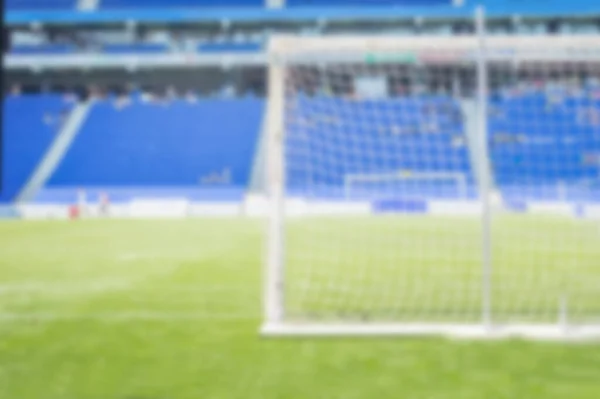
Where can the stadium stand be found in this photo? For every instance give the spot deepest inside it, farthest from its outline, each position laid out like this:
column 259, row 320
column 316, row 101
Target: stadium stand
column 135, row 48
column 550, row 140
column 200, row 149
column 406, row 127
column 40, row 4
column 30, row 125
column 115, row 4
column 43, row 49
column 368, row 3
column 111, row 132
column 543, row 144
column 205, row 148
column 235, row 47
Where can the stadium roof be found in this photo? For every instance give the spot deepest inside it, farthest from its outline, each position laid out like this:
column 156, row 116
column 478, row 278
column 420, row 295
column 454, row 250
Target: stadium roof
column 494, row 8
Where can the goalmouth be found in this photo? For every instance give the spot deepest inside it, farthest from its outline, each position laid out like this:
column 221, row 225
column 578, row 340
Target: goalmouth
column 502, row 275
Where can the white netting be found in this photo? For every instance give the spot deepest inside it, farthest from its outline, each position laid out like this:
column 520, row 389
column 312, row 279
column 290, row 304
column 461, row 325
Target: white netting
column 383, row 186
column 393, row 152
column 544, row 145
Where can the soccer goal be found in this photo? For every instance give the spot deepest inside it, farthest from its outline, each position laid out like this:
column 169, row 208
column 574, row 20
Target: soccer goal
column 427, row 168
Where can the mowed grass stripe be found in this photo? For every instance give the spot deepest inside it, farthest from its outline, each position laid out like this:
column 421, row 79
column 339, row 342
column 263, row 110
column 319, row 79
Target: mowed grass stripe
column 83, row 356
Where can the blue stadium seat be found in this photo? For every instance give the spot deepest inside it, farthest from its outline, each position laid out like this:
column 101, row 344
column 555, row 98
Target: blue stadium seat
column 230, row 47
column 30, row 125
column 43, row 49
column 369, row 3
column 400, row 129
column 40, row 4
column 179, row 3
column 207, row 144
column 205, row 148
column 136, row 48
column 550, row 149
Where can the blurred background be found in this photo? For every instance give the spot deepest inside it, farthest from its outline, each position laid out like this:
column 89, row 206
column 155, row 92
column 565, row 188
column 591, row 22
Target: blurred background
column 109, row 100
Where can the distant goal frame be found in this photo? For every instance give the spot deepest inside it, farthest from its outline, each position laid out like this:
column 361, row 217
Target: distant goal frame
column 478, row 49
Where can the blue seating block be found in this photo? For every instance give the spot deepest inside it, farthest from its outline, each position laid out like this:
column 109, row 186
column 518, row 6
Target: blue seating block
column 42, row 49
column 113, row 4
column 204, row 147
column 367, row 3
column 30, row 125
column 230, row 47
column 136, row 48
column 208, row 144
column 40, row 4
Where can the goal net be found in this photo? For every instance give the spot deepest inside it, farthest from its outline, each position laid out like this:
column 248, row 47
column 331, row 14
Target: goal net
column 438, row 186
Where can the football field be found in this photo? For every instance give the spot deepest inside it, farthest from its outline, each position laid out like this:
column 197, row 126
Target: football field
column 170, row 309
column 430, row 268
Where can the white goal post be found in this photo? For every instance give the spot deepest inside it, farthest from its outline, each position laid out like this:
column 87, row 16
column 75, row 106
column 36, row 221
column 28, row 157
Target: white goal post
column 479, row 111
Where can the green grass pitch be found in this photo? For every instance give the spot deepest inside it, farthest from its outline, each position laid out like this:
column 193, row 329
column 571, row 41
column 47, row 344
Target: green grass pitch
column 124, row 309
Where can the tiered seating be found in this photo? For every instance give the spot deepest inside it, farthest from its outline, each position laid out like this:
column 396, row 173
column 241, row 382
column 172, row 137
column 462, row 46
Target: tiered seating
column 207, row 144
column 30, row 125
column 368, row 3
column 230, row 47
column 40, row 4
column 43, row 49
column 137, row 48
column 331, row 139
column 179, row 3
column 539, row 149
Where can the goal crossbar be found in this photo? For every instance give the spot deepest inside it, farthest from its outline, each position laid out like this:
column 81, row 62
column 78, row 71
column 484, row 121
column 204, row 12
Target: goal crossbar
column 433, row 49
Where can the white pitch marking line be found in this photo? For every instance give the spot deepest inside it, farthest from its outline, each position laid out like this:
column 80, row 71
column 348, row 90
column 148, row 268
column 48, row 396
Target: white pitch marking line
column 125, row 316
column 92, row 287
column 48, row 287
